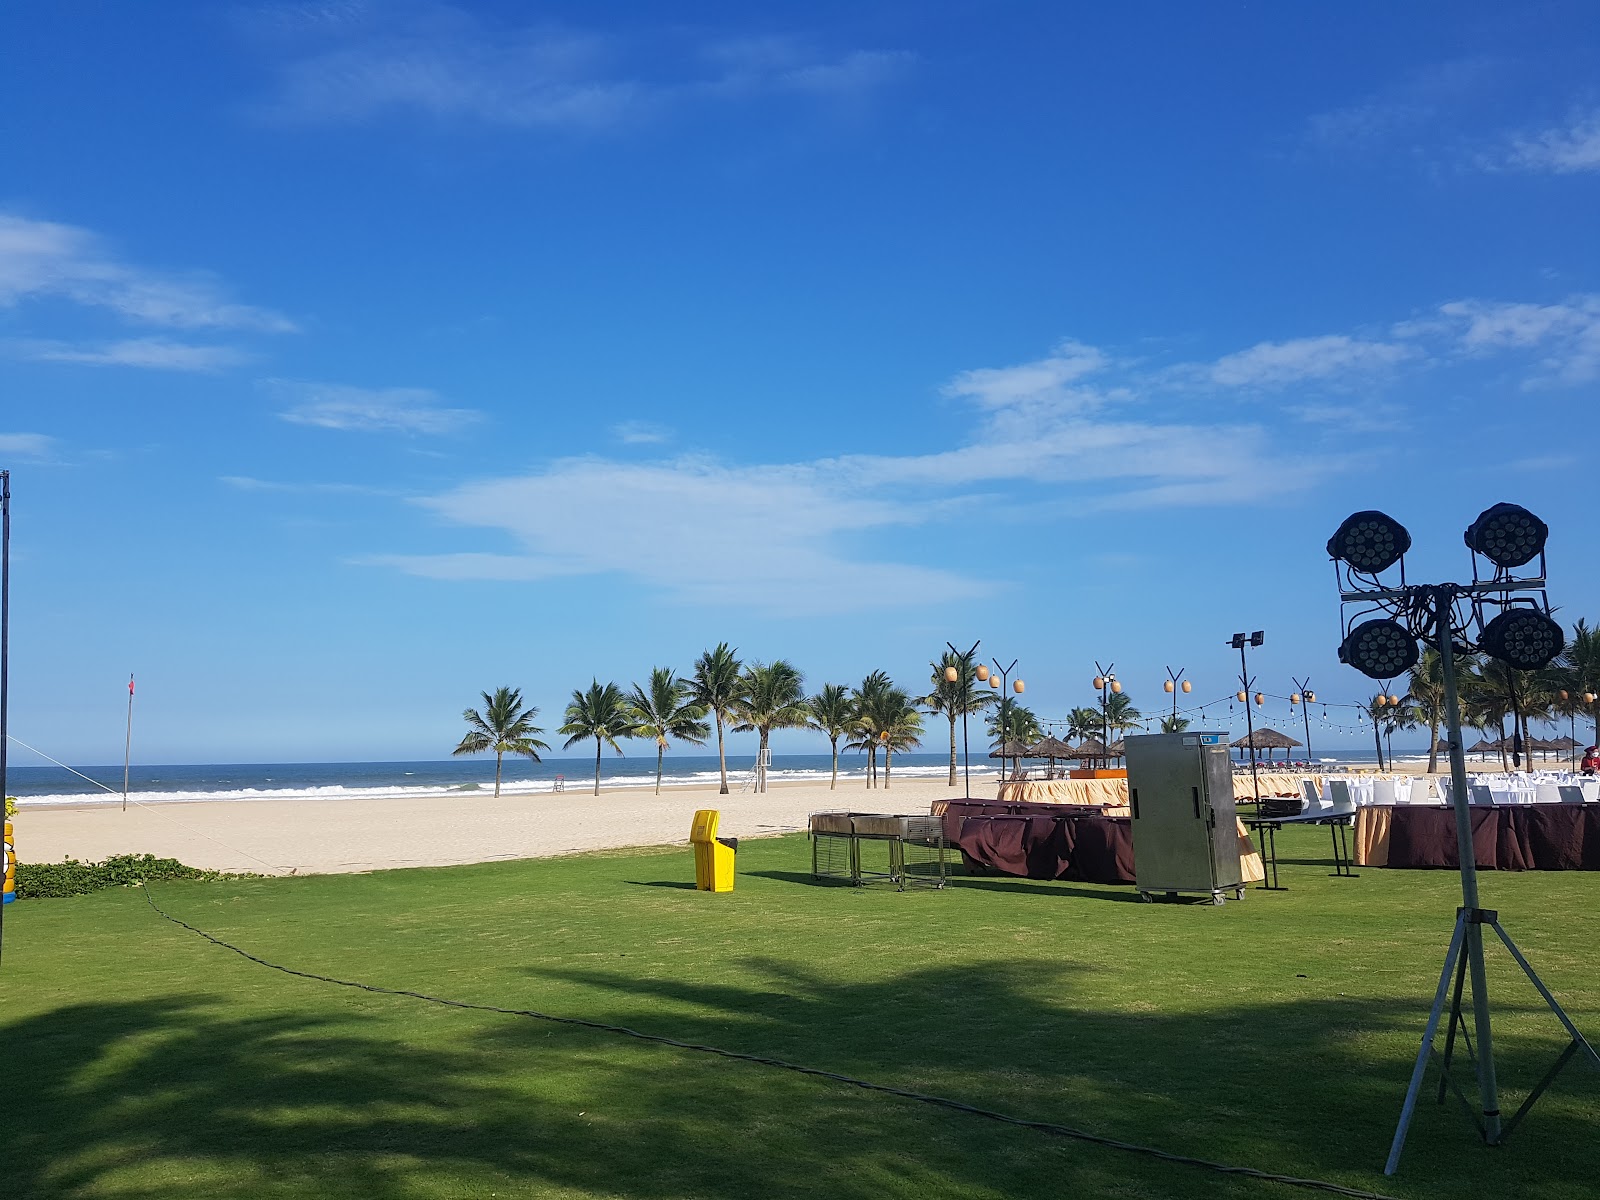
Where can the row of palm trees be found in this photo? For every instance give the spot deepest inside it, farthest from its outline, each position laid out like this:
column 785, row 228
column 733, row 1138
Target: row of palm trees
column 728, row 696
column 1492, row 694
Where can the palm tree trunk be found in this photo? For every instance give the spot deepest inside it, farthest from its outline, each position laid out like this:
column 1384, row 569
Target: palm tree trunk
column 888, row 761
column 660, row 750
column 722, row 757
column 1433, row 744
column 597, row 766
column 834, row 782
column 1377, row 740
column 761, row 754
column 952, row 747
column 498, row 756
column 1505, row 762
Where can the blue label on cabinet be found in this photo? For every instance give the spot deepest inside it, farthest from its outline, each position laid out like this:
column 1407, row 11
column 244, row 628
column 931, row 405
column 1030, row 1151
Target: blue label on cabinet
column 1210, row 739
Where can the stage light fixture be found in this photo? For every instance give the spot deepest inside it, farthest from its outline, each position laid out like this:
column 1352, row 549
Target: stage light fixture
column 1369, row 541
column 1523, row 638
column 1508, row 535
column 1379, row 649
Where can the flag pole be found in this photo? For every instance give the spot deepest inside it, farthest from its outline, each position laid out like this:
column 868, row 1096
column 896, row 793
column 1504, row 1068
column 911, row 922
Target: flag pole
column 127, row 745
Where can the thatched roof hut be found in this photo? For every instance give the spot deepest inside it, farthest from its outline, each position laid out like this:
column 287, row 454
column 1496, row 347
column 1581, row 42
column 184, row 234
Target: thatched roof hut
column 1011, row 750
column 1268, row 740
column 1091, row 748
column 1051, row 747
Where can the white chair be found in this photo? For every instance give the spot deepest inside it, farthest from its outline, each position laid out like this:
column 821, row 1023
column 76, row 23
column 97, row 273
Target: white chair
column 1384, row 793
column 1311, row 798
column 1479, row 793
column 1339, row 794
column 1548, row 793
column 1570, row 793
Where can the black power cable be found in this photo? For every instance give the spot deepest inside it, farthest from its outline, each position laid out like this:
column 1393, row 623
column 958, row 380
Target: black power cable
column 1065, row 1131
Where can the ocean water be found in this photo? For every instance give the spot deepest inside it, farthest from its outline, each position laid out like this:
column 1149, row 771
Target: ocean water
column 48, row 784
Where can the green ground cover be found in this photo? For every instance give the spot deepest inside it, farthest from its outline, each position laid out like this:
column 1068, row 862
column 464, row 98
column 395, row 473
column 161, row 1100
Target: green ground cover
column 1276, row 1033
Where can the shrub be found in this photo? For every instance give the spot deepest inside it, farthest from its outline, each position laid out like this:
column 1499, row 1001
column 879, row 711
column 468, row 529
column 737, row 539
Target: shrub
column 69, row 877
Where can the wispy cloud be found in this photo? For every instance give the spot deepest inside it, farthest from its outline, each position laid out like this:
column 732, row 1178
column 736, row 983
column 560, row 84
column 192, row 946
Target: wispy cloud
column 1407, row 114
column 641, row 433
column 1275, row 364
column 355, row 63
column 1565, row 149
column 1563, row 339
column 43, row 259
column 27, row 445
column 370, row 410
column 154, row 353
column 246, row 483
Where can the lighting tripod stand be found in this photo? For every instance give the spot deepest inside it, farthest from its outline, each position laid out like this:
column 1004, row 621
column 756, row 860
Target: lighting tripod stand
column 1525, row 637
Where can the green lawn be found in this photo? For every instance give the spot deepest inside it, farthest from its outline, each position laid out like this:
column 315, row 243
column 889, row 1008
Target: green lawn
column 1277, row 1033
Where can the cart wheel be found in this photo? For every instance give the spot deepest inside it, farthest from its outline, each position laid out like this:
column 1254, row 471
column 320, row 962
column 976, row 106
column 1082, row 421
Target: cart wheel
column 1238, row 893
column 1218, row 898
column 1147, row 897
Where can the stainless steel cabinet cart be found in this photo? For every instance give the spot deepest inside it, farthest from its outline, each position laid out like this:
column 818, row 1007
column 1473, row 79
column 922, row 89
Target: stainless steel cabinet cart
column 1185, row 832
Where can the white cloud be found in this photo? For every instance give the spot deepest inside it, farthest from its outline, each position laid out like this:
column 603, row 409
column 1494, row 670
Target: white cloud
column 640, row 433
column 246, row 483
column 26, row 445
column 370, row 410
column 1564, row 150
column 154, row 353
column 1410, row 109
column 698, row 531
column 42, row 259
column 442, row 62
column 1564, row 338
column 1276, row 364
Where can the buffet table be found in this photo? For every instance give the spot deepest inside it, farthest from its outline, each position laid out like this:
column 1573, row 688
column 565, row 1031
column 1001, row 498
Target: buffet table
column 1521, row 837
column 1056, row 841
column 1113, row 793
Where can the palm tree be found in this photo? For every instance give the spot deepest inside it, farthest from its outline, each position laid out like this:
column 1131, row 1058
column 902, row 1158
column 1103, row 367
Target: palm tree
column 504, row 726
column 1427, row 694
column 1376, row 711
column 600, row 713
column 1174, row 724
column 1020, row 725
column 716, row 687
column 831, row 711
column 897, row 724
column 868, row 703
column 1083, row 723
column 955, row 698
column 771, row 696
column 1580, row 663
column 667, row 709
column 1120, row 715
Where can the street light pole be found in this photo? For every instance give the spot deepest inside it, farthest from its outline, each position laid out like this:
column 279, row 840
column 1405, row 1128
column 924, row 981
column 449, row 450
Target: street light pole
column 964, row 683
column 1005, row 699
column 1105, row 679
column 1302, row 688
column 1239, row 642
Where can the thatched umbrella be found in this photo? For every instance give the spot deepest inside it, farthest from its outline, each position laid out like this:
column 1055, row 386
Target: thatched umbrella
column 1566, row 743
column 1117, row 749
column 1268, row 740
column 1091, row 750
column 1050, row 747
column 1484, row 747
column 1012, row 750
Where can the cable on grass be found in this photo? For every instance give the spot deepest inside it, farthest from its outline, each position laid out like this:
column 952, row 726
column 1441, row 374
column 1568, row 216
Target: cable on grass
column 1065, row 1131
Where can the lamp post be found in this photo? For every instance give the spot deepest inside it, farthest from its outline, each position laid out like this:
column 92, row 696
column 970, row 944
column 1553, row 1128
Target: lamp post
column 1105, row 679
column 1305, row 697
column 1005, row 675
column 1173, row 685
column 1524, row 637
column 1239, row 641
column 959, row 678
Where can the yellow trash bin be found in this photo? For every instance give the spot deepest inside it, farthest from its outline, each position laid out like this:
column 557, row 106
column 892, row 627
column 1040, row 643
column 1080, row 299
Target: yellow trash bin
column 713, row 856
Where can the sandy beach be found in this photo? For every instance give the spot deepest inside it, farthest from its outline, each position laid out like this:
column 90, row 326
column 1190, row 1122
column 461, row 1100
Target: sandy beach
column 327, row 836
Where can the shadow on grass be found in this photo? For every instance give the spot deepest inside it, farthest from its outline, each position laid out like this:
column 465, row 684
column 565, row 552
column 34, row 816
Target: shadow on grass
column 663, row 883
column 175, row 1097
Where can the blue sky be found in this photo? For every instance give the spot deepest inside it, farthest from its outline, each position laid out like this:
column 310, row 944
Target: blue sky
column 355, row 357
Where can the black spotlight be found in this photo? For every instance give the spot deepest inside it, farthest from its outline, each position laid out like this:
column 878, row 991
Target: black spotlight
column 1508, row 535
column 1370, row 541
column 1380, row 649
column 1523, row 638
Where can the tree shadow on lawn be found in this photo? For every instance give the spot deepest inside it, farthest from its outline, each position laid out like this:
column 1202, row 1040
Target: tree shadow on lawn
column 991, row 883
column 175, row 1097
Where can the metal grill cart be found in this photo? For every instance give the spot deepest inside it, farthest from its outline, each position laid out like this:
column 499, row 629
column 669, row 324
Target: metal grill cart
column 862, row 848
